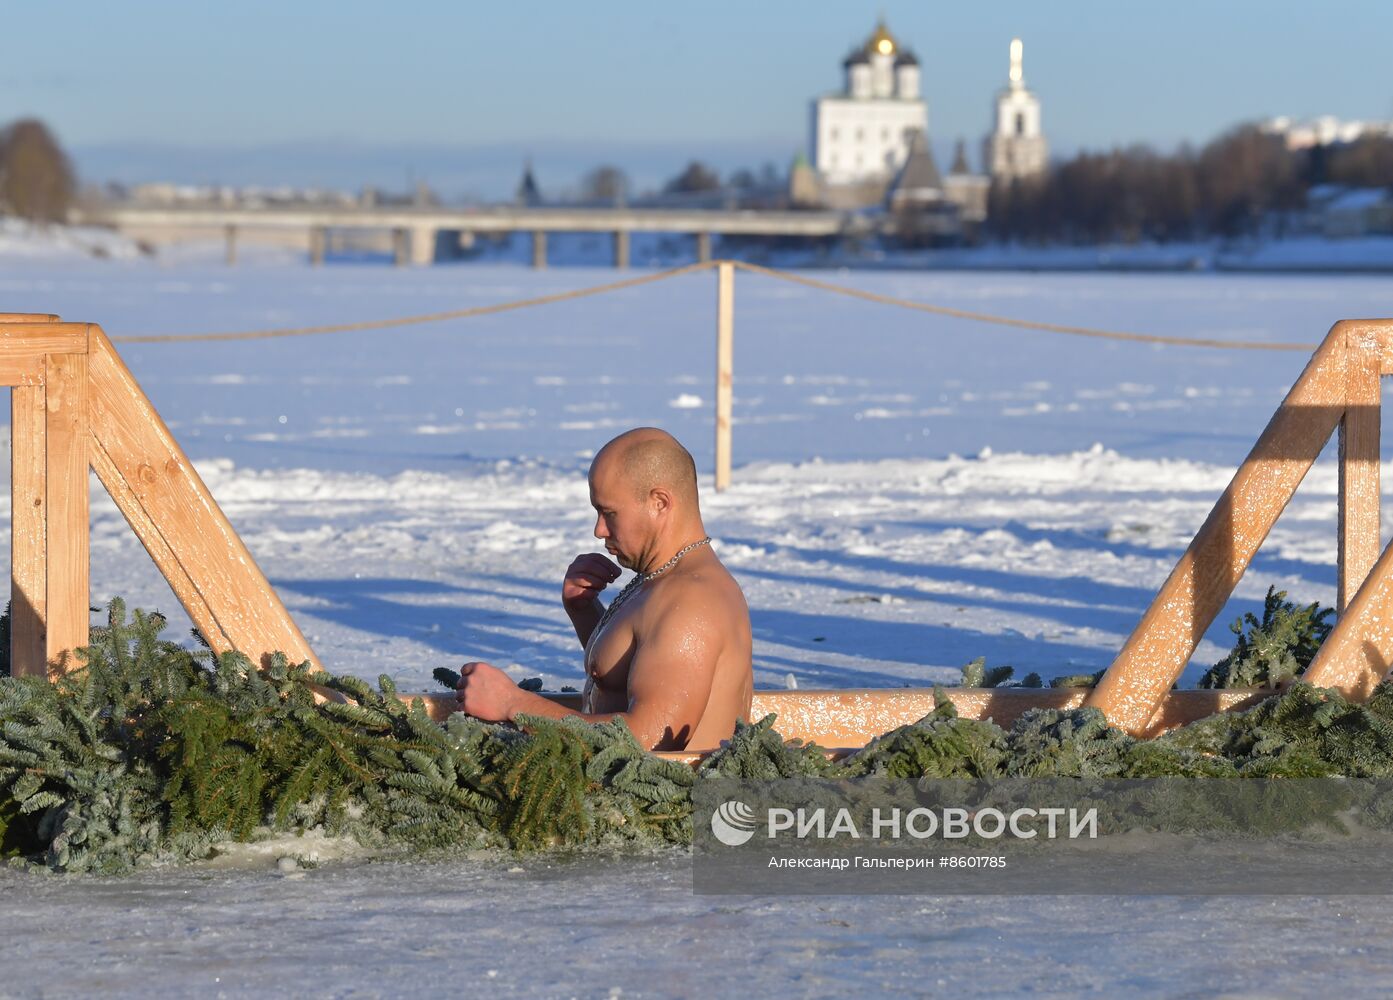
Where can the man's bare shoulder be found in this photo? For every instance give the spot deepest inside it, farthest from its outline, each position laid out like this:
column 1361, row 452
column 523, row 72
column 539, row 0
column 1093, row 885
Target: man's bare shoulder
column 704, row 590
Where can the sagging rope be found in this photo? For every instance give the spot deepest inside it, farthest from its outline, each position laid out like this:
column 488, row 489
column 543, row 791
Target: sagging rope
column 769, row 272
column 435, row 317
column 1024, row 324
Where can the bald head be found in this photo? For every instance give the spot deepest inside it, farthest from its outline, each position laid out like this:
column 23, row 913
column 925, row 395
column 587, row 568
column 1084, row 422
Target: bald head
column 647, row 458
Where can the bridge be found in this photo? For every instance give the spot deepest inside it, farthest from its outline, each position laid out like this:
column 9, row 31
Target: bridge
column 418, row 232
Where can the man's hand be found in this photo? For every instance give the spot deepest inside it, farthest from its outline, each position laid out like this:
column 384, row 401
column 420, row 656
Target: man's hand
column 585, row 578
column 486, row 692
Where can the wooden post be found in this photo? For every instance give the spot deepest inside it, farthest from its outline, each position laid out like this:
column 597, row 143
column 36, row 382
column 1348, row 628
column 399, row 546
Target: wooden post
column 703, row 247
column 621, row 248
column 401, row 249
column 539, row 249
column 28, row 519
column 230, row 252
column 725, row 367
column 65, row 447
column 1359, row 467
column 318, row 240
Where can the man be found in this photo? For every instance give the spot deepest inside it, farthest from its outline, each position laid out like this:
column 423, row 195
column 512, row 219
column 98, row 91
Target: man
column 671, row 654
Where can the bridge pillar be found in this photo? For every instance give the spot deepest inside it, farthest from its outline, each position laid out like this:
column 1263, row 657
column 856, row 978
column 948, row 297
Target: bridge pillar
column 621, row 248
column 539, row 249
column 703, row 248
column 400, row 247
column 230, row 252
column 423, row 246
column 318, row 239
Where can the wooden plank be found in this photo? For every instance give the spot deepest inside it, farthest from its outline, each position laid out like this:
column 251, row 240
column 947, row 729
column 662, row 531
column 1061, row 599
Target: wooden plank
column 1359, row 466
column 28, row 553
column 1161, row 645
column 22, row 371
column 853, row 717
column 165, row 491
column 28, row 318
column 22, row 340
column 725, row 367
column 149, row 534
column 1359, row 650
column 66, row 539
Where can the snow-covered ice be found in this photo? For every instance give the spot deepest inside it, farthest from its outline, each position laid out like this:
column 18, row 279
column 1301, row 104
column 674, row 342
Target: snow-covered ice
column 910, row 492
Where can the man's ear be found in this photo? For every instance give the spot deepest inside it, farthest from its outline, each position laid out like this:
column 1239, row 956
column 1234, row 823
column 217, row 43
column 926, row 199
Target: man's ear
column 660, row 499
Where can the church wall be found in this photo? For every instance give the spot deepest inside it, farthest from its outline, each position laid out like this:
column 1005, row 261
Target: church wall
column 860, row 139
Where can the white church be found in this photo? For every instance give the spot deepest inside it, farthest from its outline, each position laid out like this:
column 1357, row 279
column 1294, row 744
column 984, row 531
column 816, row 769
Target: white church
column 866, row 130
column 869, row 143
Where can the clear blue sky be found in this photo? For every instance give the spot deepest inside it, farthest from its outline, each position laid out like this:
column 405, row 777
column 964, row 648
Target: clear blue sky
column 735, row 77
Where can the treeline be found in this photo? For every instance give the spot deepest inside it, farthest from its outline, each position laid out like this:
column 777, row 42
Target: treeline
column 1236, row 185
column 36, row 177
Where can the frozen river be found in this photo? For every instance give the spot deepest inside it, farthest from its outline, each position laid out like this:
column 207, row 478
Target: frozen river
column 910, row 492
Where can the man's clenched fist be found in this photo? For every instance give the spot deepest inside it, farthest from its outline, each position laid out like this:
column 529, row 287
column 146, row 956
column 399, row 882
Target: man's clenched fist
column 486, row 692
column 585, row 578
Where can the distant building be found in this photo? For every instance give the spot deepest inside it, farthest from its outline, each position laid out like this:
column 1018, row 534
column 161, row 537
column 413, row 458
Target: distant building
column 918, row 184
column 1357, row 212
column 1326, row 130
column 528, row 195
column 804, row 191
column 965, row 189
column 1016, row 148
column 863, row 134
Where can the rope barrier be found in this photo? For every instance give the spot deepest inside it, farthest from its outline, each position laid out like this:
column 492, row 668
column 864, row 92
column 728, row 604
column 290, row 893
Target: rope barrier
column 1024, row 324
column 436, row 317
column 768, row 272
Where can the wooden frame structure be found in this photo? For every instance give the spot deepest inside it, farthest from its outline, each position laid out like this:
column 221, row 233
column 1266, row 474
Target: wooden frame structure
column 1339, row 388
column 76, row 406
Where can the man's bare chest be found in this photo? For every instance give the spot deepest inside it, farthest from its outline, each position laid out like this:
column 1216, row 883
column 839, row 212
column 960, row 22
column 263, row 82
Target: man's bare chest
column 611, row 650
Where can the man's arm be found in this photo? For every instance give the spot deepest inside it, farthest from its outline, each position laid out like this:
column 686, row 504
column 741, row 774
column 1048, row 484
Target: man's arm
column 580, row 592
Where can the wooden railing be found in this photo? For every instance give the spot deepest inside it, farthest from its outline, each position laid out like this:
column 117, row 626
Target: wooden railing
column 1339, row 388
column 75, row 406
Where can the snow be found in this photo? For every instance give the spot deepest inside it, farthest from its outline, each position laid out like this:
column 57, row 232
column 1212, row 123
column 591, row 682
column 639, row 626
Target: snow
column 631, row 927
column 910, row 492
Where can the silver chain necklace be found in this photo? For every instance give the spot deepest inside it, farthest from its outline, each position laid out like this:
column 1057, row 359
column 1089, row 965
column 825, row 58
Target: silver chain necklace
column 638, row 581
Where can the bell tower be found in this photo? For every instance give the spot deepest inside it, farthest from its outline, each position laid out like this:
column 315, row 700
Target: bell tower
column 1016, row 147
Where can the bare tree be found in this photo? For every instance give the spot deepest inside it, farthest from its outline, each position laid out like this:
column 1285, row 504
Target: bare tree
column 36, row 178
column 605, row 184
column 697, row 177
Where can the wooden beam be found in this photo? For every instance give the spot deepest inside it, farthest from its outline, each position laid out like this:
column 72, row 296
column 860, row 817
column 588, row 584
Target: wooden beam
column 1161, row 645
column 853, row 717
column 22, row 371
column 28, row 317
column 69, row 521
column 28, row 340
column 164, row 491
column 28, row 518
column 149, row 534
column 1359, row 650
column 1359, row 466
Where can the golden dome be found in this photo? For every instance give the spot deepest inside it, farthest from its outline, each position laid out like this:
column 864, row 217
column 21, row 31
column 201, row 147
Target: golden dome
column 882, row 42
